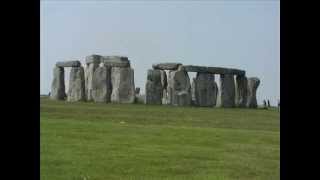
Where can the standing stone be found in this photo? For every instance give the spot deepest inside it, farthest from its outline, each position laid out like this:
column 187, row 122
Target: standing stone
column 241, row 91
column 193, row 91
column 154, row 88
column 122, row 82
column 164, row 83
column 76, row 90
column 101, row 84
column 204, row 90
column 58, row 86
column 169, row 89
column 93, row 62
column 253, row 84
column 179, row 88
column 227, row 91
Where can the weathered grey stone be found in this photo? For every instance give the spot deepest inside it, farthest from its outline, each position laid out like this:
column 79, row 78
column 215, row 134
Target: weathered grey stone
column 241, row 91
column 116, row 61
column 76, row 90
column 101, row 84
column 191, row 68
column 57, row 86
column 154, row 87
column 169, row 92
column 213, row 70
column 122, row 82
column 94, row 58
column 205, row 90
column 91, row 67
column 179, row 88
column 166, row 66
column 253, row 84
column 68, row 64
column 193, row 91
column 164, row 82
column 165, row 97
column 227, row 88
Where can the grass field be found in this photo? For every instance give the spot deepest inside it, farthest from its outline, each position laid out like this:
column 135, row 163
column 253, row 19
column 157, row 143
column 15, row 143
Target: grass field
column 89, row 141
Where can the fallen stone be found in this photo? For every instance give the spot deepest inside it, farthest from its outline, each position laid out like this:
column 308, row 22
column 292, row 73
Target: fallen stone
column 57, row 85
column 241, row 91
column 227, row 88
column 154, row 87
column 68, row 64
column 101, row 84
column 166, row 66
column 253, row 84
column 76, row 90
column 122, row 82
column 116, row 61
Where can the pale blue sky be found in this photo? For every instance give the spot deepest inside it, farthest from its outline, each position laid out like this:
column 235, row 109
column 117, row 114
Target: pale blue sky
column 237, row 34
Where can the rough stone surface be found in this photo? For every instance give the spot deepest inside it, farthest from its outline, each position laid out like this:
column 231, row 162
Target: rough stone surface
column 122, row 82
column 179, row 88
column 68, row 64
column 193, row 91
column 154, row 87
column 204, row 90
column 91, row 67
column 253, row 84
column 227, row 88
column 76, row 90
column 241, row 91
column 57, row 86
column 164, row 83
column 213, row 70
column 166, row 66
column 96, row 59
column 116, row 61
column 101, row 84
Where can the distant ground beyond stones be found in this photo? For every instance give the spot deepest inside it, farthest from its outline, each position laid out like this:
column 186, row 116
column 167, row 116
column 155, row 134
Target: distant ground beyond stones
column 137, row 141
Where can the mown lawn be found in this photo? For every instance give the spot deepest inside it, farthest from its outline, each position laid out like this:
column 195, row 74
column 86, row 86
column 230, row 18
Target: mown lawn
column 89, row 141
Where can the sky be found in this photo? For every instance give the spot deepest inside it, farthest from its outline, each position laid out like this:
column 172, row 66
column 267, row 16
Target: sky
column 234, row 34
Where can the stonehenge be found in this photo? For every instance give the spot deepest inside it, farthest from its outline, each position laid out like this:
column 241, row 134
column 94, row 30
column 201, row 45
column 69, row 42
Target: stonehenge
column 105, row 79
column 235, row 89
column 110, row 79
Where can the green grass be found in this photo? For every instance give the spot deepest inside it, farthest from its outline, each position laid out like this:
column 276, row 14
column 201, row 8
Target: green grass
column 148, row 142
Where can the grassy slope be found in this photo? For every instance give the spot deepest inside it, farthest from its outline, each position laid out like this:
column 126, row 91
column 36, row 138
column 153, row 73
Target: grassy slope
column 118, row 141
